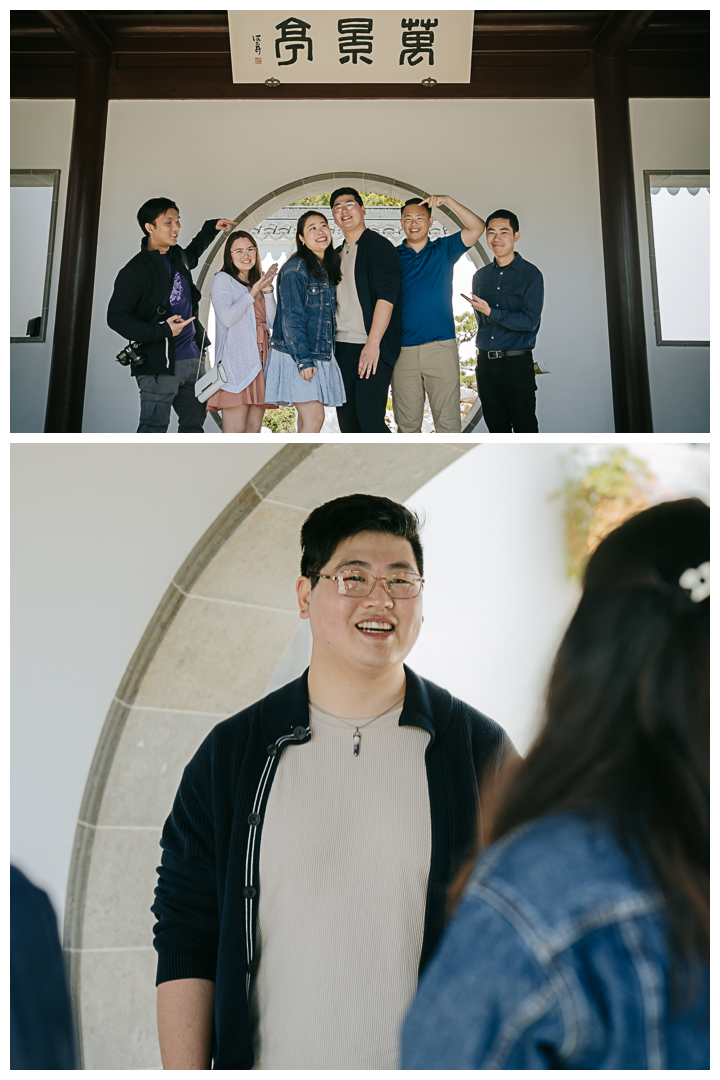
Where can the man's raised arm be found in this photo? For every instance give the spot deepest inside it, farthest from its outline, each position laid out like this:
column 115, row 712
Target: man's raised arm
column 473, row 225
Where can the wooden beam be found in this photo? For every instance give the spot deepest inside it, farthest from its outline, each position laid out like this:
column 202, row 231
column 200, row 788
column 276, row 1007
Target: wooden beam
column 621, row 248
column 55, row 78
column 73, row 310
column 620, row 31
column 216, row 82
column 668, row 81
column 80, row 32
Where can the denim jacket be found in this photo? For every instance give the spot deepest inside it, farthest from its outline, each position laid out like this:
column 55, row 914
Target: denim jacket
column 305, row 319
column 557, row 958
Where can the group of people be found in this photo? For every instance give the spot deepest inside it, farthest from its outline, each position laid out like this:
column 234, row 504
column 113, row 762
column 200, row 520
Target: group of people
column 360, row 828
column 347, row 323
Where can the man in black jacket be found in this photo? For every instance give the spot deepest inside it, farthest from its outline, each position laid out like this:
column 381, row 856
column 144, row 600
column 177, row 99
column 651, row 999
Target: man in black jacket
column 155, row 303
column 308, row 855
column 368, row 334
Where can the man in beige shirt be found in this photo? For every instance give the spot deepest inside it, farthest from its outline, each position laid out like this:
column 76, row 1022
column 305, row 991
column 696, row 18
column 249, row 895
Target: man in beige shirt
column 368, row 318
column 314, row 836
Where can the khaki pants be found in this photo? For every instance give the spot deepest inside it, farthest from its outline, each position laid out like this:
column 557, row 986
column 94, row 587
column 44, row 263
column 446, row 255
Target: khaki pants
column 432, row 369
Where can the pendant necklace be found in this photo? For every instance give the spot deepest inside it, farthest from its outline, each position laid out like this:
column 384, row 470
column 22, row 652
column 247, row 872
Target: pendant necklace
column 358, row 727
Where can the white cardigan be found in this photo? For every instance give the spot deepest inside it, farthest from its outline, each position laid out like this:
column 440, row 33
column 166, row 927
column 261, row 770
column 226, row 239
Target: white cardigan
column 236, row 330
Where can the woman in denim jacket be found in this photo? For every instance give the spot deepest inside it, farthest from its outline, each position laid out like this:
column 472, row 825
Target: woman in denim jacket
column 301, row 368
column 581, row 940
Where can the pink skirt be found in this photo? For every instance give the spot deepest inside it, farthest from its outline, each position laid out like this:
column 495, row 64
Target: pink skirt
column 254, row 394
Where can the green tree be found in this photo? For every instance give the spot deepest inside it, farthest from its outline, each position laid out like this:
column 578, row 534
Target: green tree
column 465, row 327
column 369, row 198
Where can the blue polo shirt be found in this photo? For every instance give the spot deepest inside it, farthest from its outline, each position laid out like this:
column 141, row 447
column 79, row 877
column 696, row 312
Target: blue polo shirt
column 427, row 275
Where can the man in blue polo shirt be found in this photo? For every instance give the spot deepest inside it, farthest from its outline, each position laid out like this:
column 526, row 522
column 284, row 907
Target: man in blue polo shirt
column 428, row 362
column 508, row 300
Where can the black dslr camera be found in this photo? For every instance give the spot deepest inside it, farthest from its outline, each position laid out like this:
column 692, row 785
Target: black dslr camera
column 132, row 354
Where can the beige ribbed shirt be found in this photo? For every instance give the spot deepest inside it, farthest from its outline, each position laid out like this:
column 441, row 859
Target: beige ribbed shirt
column 349, row 320
column 344, row 865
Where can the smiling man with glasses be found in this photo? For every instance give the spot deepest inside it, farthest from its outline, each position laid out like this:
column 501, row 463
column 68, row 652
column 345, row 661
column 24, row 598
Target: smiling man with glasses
column 368, row 330
column 428, row 362
column 307, row 858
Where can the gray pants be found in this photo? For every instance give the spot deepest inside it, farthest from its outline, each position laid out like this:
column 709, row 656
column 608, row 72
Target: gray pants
column 161, row 393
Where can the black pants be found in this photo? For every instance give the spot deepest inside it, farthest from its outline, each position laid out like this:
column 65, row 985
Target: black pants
column 366, row 402
column 161, row 393
column 506, row 387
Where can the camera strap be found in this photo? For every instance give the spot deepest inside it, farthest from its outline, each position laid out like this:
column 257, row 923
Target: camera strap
column 200, row 358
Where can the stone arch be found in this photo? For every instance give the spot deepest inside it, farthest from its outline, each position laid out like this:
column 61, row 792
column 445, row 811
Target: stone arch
column 233, row 594
column 314, row 185
column 254, row 214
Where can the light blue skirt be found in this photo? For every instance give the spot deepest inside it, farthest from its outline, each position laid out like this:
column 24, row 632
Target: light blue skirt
column 284, row 385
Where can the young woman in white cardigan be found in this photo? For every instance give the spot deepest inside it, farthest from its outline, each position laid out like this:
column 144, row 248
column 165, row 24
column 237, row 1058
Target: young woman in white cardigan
column 244, row 303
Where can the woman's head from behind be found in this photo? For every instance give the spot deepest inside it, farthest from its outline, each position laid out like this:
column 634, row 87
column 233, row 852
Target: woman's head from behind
column 241, row 258
column 639, row 640
column 626, row 732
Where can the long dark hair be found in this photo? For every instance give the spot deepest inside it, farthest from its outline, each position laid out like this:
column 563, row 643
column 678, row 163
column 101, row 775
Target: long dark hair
column 331, row 261
column 626, row 732
column 255, row 272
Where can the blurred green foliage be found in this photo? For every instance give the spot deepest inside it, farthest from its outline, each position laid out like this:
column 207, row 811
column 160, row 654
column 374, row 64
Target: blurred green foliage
column 599, row 499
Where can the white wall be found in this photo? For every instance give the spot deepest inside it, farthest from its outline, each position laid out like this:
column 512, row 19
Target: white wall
column 671, row 134
column 97, row 533
column 40, row 134
column 99, row 530
column 537, row 157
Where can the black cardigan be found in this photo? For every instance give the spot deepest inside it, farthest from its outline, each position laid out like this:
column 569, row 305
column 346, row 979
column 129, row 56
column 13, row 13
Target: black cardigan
column 140, row 303
column 378, row 276
column 205, row 900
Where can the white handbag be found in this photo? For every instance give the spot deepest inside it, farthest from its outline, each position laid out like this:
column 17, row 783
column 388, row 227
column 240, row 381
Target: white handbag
column 208, row 384
column 213, row 380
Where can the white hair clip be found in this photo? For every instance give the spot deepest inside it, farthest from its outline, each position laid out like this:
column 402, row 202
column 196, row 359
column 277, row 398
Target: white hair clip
column 697, row 581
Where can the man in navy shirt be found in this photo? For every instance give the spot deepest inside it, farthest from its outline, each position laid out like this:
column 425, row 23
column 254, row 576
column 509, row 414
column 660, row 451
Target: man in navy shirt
column 428, row 362
column 508, row 300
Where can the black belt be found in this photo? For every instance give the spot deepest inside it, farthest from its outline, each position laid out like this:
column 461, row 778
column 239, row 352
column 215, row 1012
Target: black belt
column 497, row 353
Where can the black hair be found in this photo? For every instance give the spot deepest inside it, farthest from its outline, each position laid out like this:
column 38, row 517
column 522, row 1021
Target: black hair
column 151, row 210
column 508, row 215
column 328, row 525
column 345, row 191
column 255, row 271
column 626, row 730
column 415, row 202
column 331, row 261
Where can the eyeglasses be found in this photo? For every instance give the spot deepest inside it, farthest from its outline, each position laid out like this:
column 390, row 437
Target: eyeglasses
column 343, row 206
column 362, row 582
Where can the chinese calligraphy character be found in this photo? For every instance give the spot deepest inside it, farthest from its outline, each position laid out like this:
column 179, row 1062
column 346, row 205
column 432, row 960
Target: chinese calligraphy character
column 417, row 42
column 293, row 37
column 256, row 41
column 356, row 39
